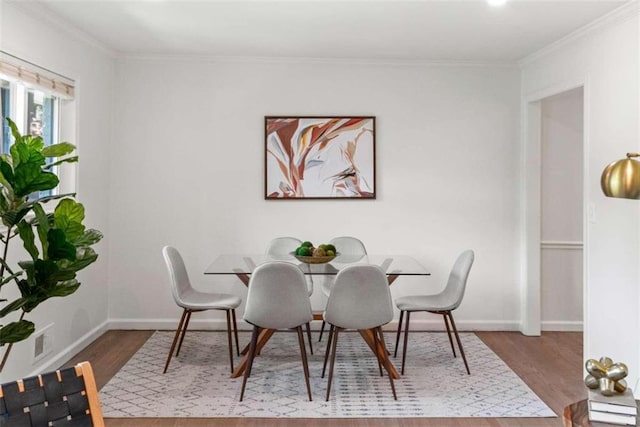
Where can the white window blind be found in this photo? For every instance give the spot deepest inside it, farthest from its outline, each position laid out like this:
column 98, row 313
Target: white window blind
column 32, row 75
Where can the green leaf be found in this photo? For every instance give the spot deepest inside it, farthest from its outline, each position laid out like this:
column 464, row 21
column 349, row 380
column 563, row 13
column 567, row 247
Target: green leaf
column 13, row 306
column 34, row 142
column 90, row 237
column 68, row 217
column 11, row 218
column 9, row 278
column 42, row 225
column 86, row 256
column 14, row 130
column 59, row 247
column 29, row 177
column 58, row 150
column 28, row 239
column 72, row 159
column 7, row 173
column 16, row 332
column 65, row 288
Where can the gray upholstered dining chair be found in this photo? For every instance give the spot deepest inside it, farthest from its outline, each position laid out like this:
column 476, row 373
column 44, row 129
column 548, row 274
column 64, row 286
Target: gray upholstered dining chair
column 360, row 299
column 283, row 247
column 441, row 303
column 346, row 246
column 192, row 300
column 277, row 299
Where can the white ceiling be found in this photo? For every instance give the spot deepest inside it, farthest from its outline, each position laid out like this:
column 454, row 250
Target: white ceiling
column 445, row 30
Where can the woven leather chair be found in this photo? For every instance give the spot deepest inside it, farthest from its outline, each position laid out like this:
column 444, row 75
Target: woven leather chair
column 193, row 301
column 67, row 397
column 277, row 299
column 281, row 248
column 442, row 303
column 360, row 299
column 345, row 245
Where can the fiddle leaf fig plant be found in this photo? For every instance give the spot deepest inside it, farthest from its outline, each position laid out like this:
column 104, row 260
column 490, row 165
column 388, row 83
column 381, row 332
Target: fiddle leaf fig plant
column 57, row 243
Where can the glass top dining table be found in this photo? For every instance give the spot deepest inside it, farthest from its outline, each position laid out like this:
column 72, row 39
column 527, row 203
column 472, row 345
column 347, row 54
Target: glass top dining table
column 392, row 265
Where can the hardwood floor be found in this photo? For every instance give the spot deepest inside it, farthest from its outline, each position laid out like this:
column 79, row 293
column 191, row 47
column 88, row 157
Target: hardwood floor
column 552, row 366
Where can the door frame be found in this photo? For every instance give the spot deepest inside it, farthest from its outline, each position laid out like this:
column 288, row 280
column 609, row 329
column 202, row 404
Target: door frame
column 531, row 213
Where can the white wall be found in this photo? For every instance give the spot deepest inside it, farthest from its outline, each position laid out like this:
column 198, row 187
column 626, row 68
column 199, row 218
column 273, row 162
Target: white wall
column 188, row 171
column 606, row 62
column 561, row 251
column 79, row 317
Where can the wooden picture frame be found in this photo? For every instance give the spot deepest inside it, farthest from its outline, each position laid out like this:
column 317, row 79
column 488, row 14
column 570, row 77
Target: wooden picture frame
column 320, row 157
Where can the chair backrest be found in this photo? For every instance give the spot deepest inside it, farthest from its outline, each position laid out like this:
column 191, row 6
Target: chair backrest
column 360, row 298
column 64, row 397
column 277, row 297
column 177, row 273
column 283, row 246
column 454, row 291
column 349, row 245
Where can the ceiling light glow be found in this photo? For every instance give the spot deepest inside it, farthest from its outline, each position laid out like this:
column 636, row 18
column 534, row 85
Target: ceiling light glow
column 497, row 2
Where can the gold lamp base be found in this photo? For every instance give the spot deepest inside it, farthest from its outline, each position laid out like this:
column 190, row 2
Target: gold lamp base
column 621, row 179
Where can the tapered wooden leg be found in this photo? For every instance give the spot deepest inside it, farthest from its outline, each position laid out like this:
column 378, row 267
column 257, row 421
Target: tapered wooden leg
column 309, row 337
column 395, row 352
column 455, row 331
column 376, row 345
column 175, row 340
column 252, row 352
column 406, row 340
column 322, row 330
column 184, row 331
column 326, row 354
column 305, row 364
column 228, row 312
column 265, row 335
column 446, row 323
column 235, row 330
column 334, row 341
column 384, row 354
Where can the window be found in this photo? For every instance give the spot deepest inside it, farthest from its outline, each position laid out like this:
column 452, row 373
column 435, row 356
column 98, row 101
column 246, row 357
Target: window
column 35, row 113
column 38, row 101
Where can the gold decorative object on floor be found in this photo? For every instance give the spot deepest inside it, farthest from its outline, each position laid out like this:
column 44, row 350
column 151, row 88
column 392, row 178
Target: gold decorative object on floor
column 606, row 376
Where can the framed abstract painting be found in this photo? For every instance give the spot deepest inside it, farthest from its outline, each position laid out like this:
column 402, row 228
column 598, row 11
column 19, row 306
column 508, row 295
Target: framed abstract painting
column 320, row 157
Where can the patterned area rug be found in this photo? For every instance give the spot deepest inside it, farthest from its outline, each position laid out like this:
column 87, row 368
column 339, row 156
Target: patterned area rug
column 435, row 384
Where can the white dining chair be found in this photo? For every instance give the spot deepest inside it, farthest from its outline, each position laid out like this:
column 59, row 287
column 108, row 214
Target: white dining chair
column 360, row 299
column 346, row 246
column 441, row 303
column 281, row 248
column 277, row 299
column 192, row 301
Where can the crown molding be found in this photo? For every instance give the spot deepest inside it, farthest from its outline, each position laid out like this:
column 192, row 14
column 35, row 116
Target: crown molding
column 313, row 60
column 627, row 11
column 41, row 12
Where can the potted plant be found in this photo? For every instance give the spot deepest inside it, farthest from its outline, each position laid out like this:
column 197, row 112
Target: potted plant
column 56, row 242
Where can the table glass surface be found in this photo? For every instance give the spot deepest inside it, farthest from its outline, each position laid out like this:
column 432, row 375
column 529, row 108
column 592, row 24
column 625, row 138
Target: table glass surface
column 401, row 265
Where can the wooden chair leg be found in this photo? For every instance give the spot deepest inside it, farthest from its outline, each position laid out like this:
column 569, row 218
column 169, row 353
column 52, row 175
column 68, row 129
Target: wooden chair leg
column 455, row 331
column 252, row 353
column 235, row 330
column 446, row 323
column 326, row 354
column 303, row 355
column 184, row 331
column 406, row 340
column 230, row 341
column 395, row 352
column 334, row 342
column 175, row 340
column 377, row 346
column 384, row 354
column 309, row 337
column 322, row 330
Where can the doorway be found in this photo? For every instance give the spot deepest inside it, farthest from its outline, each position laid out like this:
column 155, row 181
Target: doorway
column 561, row 207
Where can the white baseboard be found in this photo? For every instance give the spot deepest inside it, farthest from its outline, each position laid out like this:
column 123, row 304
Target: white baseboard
column 219, row 325
column 562, row 326
column 63, row 356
